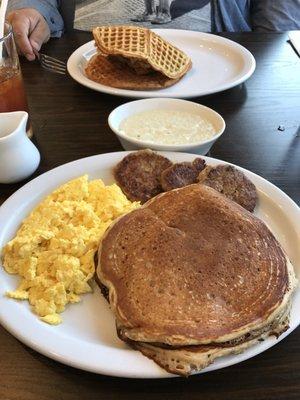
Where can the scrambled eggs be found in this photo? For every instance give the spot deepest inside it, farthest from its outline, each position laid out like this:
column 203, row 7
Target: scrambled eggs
column 54, row 249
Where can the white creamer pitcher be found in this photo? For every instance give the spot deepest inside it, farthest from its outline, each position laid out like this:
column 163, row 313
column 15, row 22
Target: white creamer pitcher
column 19, row 157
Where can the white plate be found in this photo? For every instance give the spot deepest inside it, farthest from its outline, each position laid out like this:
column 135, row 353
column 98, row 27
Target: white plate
column 87, row 337
column 218, row 64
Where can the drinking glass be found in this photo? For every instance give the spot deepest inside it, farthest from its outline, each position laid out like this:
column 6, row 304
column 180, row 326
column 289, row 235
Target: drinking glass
column 12, row 91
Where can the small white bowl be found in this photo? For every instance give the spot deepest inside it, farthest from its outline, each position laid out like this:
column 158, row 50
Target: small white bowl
column 133, row 107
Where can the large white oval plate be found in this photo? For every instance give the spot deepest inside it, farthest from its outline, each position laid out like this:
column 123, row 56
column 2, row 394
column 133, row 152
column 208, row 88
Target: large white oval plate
column 87, row 337
column 218, row 64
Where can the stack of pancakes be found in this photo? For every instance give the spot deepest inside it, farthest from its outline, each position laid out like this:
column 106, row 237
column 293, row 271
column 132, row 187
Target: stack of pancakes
column 130, row 57
column 192, row 276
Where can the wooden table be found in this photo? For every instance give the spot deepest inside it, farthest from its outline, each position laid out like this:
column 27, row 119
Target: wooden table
column 70, row 122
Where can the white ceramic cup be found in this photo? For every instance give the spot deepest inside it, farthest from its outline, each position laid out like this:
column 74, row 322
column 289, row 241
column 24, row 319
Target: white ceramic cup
column 19, row 157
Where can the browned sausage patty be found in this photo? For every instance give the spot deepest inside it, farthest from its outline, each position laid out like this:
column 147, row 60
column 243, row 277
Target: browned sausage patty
column 232, row 183
column 138, row 174
column 181, row 174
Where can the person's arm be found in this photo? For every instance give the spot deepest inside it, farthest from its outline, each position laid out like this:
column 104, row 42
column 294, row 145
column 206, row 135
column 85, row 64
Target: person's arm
column 47, row 8
column 270, row 15
column 230, row 15
column 33, row 22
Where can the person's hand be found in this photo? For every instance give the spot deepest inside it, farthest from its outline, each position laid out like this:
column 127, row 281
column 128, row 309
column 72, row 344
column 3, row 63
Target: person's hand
column 30, row 30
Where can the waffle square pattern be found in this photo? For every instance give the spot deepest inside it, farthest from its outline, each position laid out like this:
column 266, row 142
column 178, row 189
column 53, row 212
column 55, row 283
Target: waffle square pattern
column 142, row 46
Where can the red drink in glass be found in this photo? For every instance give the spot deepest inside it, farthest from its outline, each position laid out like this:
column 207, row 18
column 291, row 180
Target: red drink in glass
column 12, row 91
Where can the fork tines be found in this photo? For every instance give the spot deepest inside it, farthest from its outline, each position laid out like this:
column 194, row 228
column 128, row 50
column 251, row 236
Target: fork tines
column 52, row 64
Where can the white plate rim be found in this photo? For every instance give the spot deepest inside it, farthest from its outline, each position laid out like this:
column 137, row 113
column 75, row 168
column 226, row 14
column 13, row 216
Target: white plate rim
column 77, row 75
column 284, row 201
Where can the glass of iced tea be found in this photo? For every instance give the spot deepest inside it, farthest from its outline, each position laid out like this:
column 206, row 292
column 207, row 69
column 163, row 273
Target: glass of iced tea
column 12, row 91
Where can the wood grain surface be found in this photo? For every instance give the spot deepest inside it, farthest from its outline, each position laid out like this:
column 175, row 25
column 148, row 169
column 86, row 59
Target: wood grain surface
column 70, row 122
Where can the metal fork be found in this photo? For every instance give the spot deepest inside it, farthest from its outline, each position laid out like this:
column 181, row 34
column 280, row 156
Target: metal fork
column 52, row 64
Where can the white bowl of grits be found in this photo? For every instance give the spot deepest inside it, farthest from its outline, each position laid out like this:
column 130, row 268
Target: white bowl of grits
column 166, row 124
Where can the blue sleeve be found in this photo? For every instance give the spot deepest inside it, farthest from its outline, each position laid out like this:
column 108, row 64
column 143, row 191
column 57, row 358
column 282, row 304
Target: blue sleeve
column 230, row 15
column 270, row 15
column 47, row 8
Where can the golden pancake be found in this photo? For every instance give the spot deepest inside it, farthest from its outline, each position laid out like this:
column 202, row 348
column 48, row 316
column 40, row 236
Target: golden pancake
column 188, row 359
column 192, row 267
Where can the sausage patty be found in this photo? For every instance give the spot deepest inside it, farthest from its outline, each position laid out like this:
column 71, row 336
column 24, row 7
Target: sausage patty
column 138, row 174
column 181, row 174
column 232, row 183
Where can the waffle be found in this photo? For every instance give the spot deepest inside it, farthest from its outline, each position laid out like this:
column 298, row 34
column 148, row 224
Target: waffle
column 100, row 69
column 134, row 43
